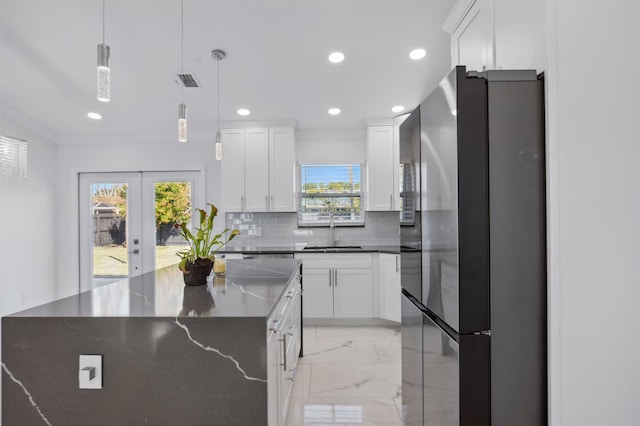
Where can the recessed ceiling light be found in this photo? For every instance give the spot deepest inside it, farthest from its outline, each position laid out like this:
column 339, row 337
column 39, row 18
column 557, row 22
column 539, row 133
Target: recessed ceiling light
column 416, row 54
column 336, row 57
column 243, row 111
column 94, row 116
column 397, row 108
column 334, row 111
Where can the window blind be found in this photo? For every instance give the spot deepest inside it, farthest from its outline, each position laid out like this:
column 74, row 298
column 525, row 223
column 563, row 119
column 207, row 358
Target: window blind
column 330, row 190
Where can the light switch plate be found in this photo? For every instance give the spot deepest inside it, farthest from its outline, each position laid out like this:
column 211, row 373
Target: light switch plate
column 87, row 362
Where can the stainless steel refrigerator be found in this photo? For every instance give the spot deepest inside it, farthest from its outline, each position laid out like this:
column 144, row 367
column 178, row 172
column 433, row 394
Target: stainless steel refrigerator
column 474, row 296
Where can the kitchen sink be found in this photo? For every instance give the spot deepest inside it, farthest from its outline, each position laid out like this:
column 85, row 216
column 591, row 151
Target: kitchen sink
column 332, row 248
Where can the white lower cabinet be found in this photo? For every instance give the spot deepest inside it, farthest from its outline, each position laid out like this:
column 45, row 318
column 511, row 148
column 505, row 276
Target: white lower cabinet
column 389, row 280
column 284, row 336
column 353, row 293
column 318, row 293
column 338, row 285
column 273, row 357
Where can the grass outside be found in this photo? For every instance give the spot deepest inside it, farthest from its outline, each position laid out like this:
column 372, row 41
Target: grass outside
column 112, row 261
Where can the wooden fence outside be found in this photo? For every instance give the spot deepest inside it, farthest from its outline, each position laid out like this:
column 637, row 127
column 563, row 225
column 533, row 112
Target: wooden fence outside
column 109, row 229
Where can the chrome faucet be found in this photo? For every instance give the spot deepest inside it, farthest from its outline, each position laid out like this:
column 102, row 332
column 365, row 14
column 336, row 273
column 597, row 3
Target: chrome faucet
column 331, row 226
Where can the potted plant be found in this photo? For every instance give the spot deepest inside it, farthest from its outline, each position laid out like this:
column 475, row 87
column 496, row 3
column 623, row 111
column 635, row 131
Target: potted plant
column 197, row 261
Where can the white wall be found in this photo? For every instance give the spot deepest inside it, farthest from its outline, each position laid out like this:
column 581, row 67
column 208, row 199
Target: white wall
column 28, row 217
column 588, row 50
column 345, row 146
column 28, row 255
column 161, row 155
column 593, row 129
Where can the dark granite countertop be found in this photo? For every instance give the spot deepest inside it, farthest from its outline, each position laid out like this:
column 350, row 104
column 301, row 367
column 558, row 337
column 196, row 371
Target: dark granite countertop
column 300, row 248
column 251, row 289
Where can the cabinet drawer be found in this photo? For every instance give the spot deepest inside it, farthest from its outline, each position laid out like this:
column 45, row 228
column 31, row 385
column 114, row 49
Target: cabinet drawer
column 346, row 260
column 275, row 323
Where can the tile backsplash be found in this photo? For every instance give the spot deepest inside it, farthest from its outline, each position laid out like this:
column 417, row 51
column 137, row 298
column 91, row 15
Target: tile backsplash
column 281, row 229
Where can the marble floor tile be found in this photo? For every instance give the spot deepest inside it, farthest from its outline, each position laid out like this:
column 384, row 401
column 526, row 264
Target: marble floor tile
column 308, row 332
column 343, row 411
column 389, row 350
column 353, row 332
column 345, row 350
column 355, row 380
column 348, row 376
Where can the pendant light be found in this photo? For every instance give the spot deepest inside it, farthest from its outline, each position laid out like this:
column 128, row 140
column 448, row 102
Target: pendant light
column 218, row 55
column 182, row 108
column 104, row 70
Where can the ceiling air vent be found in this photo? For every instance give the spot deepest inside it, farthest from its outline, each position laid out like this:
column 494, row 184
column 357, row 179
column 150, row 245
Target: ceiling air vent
column 188, row 80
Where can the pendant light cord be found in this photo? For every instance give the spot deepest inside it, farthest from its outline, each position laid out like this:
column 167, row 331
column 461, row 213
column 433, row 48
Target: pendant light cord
column 182, row 46
column 103, row 13
column 218, row 133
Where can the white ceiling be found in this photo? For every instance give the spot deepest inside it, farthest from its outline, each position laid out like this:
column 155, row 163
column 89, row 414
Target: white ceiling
column 276, row 62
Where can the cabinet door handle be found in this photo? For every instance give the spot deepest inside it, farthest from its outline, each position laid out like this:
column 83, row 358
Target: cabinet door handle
column 284, row 352
column 266, row 203
column 390, row 201
column 276, row 326
column 242, row 202
column 335, row 280
column 271, row 205
column 397, row 267
column 330, row 277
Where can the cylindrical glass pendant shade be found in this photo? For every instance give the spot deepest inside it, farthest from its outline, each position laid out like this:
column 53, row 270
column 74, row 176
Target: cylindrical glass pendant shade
column 218, row 146
column 182, row 123
column 104, row 73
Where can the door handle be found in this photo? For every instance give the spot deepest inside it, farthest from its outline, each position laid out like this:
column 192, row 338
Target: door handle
column 134, row 251
column 242, row 202
column 330, row 277
column 284, row 352
column 335, row 280
column 390, row 201
column 397, row 267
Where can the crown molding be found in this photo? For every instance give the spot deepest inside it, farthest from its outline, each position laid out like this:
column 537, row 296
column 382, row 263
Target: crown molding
column 24, row 120
column 134, row 138
column 459, row 11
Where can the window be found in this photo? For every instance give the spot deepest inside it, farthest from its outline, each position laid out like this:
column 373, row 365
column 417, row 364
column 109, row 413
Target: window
column 330, row 191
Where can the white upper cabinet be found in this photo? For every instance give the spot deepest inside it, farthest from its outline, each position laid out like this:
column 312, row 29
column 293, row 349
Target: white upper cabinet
column 497, row 34
column 282, row 168
column 382, row 168
column 256, row 157
column 258, row 169
column 232, row 169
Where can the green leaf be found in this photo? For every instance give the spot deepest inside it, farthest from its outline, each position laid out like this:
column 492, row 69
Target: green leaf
column 203, row 216
column 182, row 265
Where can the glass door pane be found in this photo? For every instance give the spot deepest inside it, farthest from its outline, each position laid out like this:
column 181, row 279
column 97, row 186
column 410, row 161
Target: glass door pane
column 167, row 199
column 172, row 206
column 109, row 232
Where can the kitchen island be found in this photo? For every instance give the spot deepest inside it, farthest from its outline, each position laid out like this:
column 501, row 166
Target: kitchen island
column 170, row 354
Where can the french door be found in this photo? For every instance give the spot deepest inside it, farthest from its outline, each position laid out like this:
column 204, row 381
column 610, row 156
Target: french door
column 126, row 222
